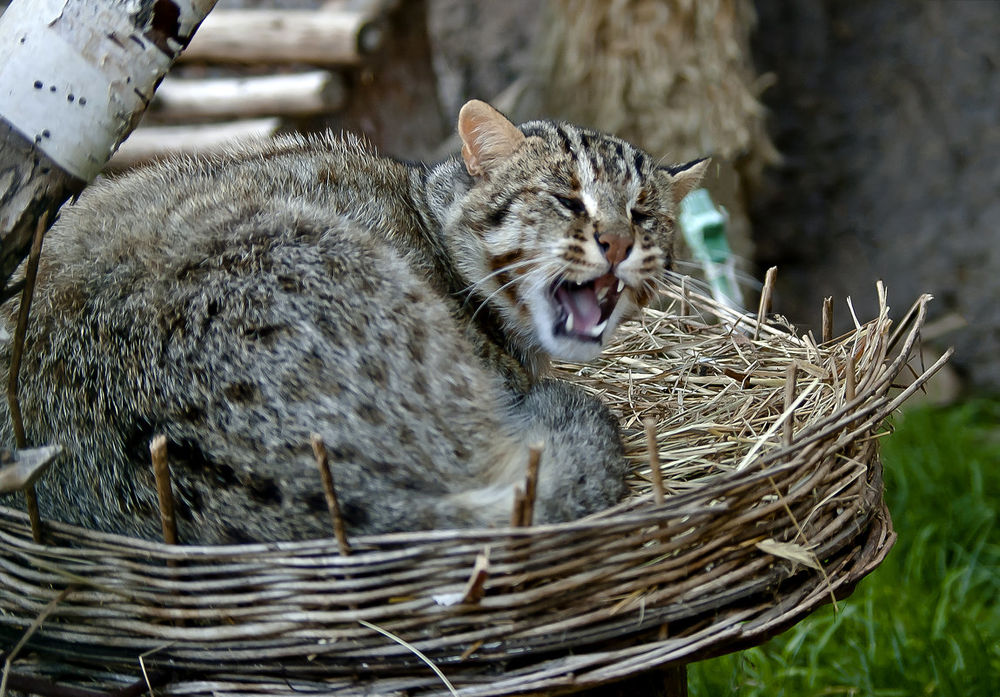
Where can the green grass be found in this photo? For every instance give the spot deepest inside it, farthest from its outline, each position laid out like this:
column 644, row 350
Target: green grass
column 927, row 622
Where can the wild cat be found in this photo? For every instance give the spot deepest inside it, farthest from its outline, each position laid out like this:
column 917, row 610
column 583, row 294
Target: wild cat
column 404, row 312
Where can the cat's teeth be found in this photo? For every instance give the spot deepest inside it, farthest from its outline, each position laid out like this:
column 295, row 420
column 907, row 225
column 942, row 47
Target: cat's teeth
column 621, row 285
column 602, row 294
column 598, row 329
column 569, row 322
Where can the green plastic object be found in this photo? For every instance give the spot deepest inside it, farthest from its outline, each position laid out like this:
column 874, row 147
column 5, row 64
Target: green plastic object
column 704, row 229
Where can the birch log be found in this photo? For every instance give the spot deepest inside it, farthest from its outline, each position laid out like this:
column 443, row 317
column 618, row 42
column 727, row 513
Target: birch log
column 156, row 142
column 300, row 94
column 319, row 37
column 75, row 75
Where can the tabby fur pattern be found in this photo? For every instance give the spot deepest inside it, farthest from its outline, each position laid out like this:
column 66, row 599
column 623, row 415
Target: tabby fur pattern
column 406, row 313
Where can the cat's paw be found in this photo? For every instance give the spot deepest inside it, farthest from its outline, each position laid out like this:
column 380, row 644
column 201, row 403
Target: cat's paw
column 583, row 464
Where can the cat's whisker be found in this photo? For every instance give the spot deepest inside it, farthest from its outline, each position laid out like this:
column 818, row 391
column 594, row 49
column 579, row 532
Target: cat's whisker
column 549, row 277
column 743, row 278
column 492, row 295
column 546, row 273
column 673, row 279
column 520, row 278
column 650, row 286
column 472, row 287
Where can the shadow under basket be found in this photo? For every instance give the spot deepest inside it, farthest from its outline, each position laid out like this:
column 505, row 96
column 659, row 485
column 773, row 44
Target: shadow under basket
column 767, row 445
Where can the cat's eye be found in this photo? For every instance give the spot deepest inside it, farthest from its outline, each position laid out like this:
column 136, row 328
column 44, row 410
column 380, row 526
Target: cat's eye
column 573, row 205
column 639, row 217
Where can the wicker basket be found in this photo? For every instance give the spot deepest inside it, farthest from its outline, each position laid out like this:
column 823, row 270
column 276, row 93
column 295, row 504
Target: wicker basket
column 769, row 452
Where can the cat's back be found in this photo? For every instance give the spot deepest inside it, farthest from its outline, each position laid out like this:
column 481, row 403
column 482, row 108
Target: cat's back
column 235, row 295
column 183, row 263
column 182, row 202
column 253, row 228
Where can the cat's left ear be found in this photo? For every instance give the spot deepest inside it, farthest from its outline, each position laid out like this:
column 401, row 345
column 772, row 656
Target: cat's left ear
column 685, row 178
column 488, row 137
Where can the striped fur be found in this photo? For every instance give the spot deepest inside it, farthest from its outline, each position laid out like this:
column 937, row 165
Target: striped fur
column 405, row 313
column 536, row 220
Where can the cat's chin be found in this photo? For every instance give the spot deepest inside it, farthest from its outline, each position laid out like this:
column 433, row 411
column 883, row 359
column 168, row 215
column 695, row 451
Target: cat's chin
column 563, row 346
column 570, row 349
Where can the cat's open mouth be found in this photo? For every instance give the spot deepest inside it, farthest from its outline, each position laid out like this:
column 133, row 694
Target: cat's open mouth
column 583, row 309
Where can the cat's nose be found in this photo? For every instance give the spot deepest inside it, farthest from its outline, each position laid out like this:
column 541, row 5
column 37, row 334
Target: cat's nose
column 615, row 246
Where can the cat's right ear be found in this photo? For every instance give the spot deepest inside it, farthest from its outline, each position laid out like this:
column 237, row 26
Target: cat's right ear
column 685, row 178
column 488, row 137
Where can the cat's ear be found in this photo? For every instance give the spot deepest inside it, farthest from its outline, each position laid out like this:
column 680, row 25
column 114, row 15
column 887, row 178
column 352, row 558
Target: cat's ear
column 685, row 178
column 487, row 137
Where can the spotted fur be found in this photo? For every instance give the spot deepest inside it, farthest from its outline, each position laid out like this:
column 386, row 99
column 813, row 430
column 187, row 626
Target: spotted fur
column 406, row 313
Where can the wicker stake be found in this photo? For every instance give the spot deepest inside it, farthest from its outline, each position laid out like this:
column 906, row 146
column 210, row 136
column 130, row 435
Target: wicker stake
column 765, row 299
column 475, row 587
column 531, row 484
column 791, row 373
column 827, row 319
column 14, row 404
column 517, row 512
column 31, row 506
column 850, row 389
column 164, row 492
column 653, row 451
column 323, row 463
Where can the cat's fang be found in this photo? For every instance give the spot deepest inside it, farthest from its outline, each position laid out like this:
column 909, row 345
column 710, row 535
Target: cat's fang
column 569, row 322
column 597, row 330
column 621, row 285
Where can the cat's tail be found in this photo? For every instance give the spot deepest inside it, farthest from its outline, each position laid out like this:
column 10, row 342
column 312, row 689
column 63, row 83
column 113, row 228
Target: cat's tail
column 582, row 467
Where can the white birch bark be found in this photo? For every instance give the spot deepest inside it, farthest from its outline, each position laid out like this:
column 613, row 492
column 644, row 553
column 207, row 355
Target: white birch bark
column 298, row 94
column 319, row 37
column 75, row 75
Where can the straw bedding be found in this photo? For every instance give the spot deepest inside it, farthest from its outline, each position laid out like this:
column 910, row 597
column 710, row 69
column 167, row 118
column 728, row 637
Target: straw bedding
column 773, row 506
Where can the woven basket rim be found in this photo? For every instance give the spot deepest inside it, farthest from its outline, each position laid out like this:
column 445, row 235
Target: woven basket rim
column 595, row 592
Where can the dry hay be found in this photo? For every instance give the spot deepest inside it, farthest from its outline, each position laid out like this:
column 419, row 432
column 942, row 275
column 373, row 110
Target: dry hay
column 773, row 507
column 674, row 76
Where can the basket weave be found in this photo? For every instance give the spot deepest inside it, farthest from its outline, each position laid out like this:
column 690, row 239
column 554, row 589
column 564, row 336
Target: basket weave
column 762, row 523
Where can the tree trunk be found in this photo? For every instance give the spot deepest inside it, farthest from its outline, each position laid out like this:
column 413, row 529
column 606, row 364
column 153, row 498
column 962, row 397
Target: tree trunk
column 75, row 75
column 396, row 81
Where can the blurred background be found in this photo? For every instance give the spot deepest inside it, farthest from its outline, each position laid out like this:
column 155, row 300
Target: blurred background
column 853, row 140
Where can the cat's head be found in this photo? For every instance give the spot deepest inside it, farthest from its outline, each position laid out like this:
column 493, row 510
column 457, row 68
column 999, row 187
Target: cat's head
column 571, row 229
